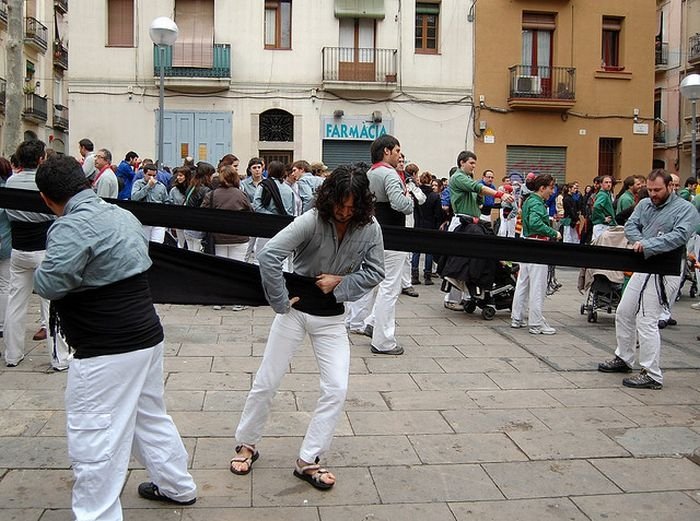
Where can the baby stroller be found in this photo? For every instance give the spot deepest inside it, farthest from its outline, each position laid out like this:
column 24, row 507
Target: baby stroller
column 603, row 287
column 688, row 275
column 489, row 283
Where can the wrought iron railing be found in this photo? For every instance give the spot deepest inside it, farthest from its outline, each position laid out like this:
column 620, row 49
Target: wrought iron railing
column 553, row 83
column 35, row 107
column 35, row 32
column 661, row 58
column 3, row 91
column 60, row 117
column 694, row 48
column 60, row 55
column 61, row 5
column 359, row 65
column 221, row 65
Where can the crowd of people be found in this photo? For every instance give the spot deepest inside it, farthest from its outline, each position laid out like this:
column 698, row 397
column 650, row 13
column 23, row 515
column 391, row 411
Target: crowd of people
column 88, row 262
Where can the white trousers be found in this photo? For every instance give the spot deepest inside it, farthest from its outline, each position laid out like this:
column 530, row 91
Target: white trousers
column 154, row 233
column 530, row 291
column 194, row 244
column 455, row 296
column 507, row 227
column 250, row 252
column 406, row 272
column 330, row 344
column 22, row 267
column 570, row 235
column 181, row 241
column 637, row 316
column 115, row 403
column 379, row 310
column 598, row 230
column 231, row 251
column 4, row 288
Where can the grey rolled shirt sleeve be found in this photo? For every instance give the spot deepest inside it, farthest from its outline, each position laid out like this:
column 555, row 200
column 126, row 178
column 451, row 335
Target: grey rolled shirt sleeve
column 355, row 285
column 398, row 200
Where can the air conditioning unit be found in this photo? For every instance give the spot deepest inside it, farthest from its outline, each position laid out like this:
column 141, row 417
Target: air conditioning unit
column 528, row 85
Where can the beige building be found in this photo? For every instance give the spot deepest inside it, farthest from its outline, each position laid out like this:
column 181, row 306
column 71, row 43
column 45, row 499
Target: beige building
column 283, row 79
column 565, row 87
column 45, row 57
column 690, row 64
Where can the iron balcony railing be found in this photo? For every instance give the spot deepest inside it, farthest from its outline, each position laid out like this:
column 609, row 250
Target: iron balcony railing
column 221, row 67
column 694, row 48
column 35, row 33
column 551, row 83
column 61, row 6
column 3, row 90
column 35, row 107
column 661, row 58
column 60, row 56
column 60, row 117
column 3, row 11
column 359, row 64
column 660, row 137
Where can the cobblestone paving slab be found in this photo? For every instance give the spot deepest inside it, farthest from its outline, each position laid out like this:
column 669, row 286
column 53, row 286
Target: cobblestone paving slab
column 658, row 441
column 553, row 509
column 650, row 474
column 651, row 506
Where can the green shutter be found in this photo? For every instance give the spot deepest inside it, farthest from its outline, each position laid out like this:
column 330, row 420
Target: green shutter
column 359, row 9
column 427, row 8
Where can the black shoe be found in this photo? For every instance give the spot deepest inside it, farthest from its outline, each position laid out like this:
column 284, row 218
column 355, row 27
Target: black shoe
column 409, row 291
column 616, row 365
column 671, row 322
column 428, row 280
column 662, row 324
column 150, row 491
column 368, row 331
column 398, row 350
column 641, row 381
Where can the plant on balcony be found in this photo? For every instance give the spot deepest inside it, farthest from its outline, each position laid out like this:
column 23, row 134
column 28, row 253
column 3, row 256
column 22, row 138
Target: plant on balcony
column 58, row 48
column 29, row 88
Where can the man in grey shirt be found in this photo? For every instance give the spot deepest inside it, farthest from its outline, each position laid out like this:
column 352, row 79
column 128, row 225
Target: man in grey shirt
column 338, row 246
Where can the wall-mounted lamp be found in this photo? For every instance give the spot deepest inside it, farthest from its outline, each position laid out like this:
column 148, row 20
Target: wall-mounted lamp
column 377, row 116
column 635, row 112
column 471, row 15
column 337, row 114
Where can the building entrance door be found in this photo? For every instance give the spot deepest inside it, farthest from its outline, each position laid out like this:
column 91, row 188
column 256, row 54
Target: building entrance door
column 205, row 136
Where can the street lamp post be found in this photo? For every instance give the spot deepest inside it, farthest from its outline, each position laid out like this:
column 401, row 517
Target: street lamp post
column 690, row 89
column 163, row 32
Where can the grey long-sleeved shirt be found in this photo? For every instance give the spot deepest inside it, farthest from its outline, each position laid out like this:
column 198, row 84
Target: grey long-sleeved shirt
column 386, row 186
column 662, row 228
column 359, row 258
column 26, row 180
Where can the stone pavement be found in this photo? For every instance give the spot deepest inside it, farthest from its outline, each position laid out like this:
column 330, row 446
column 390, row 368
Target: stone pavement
column 476, row 421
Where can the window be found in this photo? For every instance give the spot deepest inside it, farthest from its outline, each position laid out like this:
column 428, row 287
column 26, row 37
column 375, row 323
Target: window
column 611, row 56
column 537, row 37
column 120, row 23
column 427, row 23
column 276, row 125
column 609, row 157
column 195, row 42
column 278, row 24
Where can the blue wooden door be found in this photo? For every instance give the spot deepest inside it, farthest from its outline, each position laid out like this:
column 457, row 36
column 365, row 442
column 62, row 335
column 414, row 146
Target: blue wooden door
column 205, row 136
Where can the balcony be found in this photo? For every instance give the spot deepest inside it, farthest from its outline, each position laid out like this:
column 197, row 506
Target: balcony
column 661, row 56
column 60, row 118
column 35, row 34
column 218, row 75
column 35, row 108
column 61, row 6
column 348, row 68
column 3, row 11
column 3, row 90
column 542, row 88
column 60, row 56
column 694, row 49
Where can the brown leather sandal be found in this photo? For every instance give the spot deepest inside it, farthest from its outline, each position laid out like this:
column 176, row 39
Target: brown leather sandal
column 247, row 460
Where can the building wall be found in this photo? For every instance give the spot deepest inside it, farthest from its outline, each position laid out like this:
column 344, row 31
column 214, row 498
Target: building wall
column 691, row 27
column 577, row 43
column 114, row 94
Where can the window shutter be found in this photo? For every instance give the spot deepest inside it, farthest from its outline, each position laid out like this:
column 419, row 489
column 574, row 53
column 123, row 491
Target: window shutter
column 120, row 23
column 542, row 21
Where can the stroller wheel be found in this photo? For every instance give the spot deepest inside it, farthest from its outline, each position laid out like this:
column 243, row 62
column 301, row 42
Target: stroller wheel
column 469, row 306
column 593, row 316
column 583, row 309
column 488, row 313
column 693, row 291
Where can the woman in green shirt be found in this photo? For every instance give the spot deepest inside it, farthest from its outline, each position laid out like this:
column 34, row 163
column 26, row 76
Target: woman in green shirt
column 531, row 287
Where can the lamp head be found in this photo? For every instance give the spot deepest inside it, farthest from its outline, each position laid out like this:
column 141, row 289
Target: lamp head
column 163, row 31
column 690, row 87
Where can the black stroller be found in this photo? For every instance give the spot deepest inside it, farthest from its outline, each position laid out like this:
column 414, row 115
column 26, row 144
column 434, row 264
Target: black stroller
column 603, row 295
column 489, row 283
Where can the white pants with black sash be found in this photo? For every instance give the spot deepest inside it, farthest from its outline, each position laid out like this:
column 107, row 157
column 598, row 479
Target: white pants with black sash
column 114, row 403
column 330, row 344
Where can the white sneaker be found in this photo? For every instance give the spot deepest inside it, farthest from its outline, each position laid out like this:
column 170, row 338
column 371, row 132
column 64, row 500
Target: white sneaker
column 544, row 329
column 516, row 323
column 695, row 306
column 454, row 306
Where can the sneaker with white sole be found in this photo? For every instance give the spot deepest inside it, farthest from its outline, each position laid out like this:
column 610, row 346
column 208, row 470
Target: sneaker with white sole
column 516, row 323
column 695, row 306
column 454, row 306
column 543, row 329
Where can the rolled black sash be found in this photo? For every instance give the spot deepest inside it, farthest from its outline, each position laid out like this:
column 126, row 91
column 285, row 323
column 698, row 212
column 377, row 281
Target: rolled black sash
column 29, row 236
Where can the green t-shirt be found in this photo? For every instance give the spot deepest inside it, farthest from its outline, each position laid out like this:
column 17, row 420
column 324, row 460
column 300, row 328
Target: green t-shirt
column 464, row 194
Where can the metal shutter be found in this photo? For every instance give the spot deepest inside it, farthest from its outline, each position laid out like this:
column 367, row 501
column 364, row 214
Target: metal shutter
column 541, row 160
column 337, row 152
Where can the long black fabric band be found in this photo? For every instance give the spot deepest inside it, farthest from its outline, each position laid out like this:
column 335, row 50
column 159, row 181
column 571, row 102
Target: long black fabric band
column 395, row 238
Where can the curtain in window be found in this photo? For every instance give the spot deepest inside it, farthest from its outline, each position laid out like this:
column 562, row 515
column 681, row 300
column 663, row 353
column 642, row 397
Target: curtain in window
column 544, row 53
column 195, row 43
column 527, row 47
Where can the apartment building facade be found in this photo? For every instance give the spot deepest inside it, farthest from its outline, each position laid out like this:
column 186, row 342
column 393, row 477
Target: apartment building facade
column 281, row 79
column 565, row 87
column 45, row 63
column 690, row 64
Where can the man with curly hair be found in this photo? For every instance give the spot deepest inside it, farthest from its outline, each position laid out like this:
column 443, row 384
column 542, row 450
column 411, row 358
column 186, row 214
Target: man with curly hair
column 338, row 247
